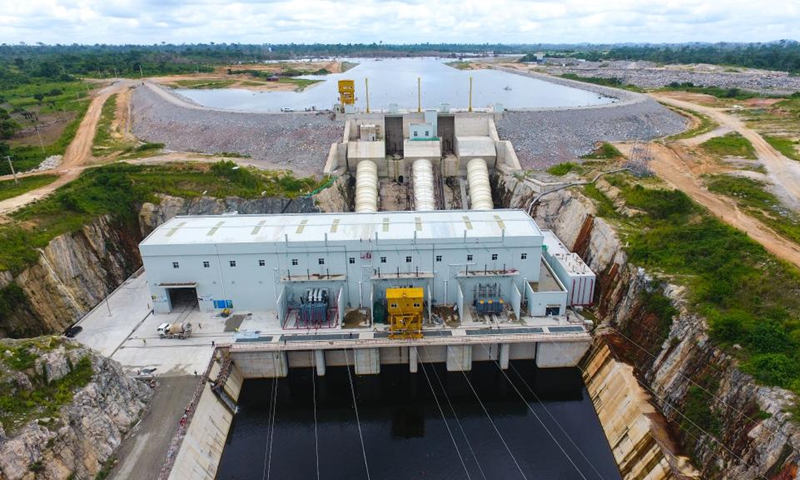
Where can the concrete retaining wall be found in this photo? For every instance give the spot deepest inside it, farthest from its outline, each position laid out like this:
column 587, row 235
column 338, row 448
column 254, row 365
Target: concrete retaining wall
column 204, row 442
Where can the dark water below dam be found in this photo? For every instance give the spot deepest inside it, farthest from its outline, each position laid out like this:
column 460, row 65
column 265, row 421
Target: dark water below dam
column 404, row 434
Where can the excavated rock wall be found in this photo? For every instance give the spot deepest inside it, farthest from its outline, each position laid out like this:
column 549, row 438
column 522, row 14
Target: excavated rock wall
column 73, row 274
column 755, row 436
column 77, row 270
column 86, row 432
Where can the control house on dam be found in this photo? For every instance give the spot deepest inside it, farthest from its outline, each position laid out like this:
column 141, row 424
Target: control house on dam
column 366, row 289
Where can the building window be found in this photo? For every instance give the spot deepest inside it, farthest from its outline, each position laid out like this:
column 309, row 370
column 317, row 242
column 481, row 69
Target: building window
column 523, row 256
column 262, row 263
column 352, row 260
column 427, row 133
column 294, row 262
column 469, row 258
column 408, row 259
column 206, row 265
column 416, row 134
column 233, row 263
column 175, row 265
column 383, row 259
column 494, row 256
column 438, row 258
column 322, row 261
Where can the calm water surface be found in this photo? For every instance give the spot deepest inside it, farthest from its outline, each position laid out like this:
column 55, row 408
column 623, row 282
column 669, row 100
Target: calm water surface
column 395, row 81
column 405, row 436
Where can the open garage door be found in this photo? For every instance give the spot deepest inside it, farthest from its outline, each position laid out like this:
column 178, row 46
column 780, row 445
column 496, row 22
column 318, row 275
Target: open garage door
column 182, row 299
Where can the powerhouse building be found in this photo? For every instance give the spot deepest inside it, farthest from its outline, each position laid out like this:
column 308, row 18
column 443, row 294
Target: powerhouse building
column 277, row 262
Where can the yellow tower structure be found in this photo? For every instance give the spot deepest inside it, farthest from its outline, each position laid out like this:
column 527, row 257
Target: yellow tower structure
column 347, row 92
column 405, row 312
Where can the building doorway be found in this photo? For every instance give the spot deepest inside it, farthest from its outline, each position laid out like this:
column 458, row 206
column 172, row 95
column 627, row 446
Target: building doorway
column 182, row 299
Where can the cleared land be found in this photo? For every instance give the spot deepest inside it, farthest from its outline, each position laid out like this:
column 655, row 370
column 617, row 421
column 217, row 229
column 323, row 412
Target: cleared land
column 253, row 76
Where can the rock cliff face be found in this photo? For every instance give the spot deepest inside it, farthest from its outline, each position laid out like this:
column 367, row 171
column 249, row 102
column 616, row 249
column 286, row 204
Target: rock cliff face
column 58, row 437
column 73, row 274
column 77, row 270
column 753, row 437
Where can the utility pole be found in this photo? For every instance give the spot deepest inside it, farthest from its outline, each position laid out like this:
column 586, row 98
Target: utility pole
column 12, row 169
column 41, row 144
column 470, row 94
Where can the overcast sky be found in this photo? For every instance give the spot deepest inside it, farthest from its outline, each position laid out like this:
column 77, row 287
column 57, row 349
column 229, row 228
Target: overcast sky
column 396, row 21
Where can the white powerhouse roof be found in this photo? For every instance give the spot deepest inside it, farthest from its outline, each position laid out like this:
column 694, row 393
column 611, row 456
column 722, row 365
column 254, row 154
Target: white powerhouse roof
column 233, row 229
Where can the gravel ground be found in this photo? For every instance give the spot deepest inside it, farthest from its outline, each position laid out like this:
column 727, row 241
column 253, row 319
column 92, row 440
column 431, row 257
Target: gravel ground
column 650, row 75
column 545, row 137
column 300, row 141
column 541, row 137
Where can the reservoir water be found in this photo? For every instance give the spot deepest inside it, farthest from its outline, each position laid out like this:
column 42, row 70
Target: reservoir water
column 395, row 81
column 534, row 424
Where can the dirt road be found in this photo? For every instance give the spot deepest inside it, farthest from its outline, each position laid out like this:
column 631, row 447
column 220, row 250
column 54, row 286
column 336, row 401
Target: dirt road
column 77, row 155
column 781, row 170
column 676, row 168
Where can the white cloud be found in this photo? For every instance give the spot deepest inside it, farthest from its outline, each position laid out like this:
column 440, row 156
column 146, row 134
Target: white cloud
column 393, row 21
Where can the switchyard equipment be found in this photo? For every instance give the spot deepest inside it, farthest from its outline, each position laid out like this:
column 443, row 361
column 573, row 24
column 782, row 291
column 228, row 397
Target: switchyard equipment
column 314, row 307
column 488, row 300
column 405, row 307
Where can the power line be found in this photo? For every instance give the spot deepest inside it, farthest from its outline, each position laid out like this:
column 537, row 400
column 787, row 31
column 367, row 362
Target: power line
column 444, row 419
column 524, row 382
column 455, row 415
column 460, row 367
column 537, row 416
column 674, row 408
column 314, row 397
column 270, row 428
column 355, row 407
column 740, row 413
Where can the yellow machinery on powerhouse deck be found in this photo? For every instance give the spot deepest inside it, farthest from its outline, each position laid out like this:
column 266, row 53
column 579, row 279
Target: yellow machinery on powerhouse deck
column 405, row 312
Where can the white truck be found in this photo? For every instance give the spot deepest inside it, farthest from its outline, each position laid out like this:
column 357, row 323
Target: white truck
column 175, row 330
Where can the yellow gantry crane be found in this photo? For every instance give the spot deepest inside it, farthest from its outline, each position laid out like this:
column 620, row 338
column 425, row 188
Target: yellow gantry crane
column 405, row 312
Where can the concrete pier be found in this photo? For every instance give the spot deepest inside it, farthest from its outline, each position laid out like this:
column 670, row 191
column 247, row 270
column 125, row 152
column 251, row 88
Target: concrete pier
column 505, row 353
column 319, row 357
column 459, row 358
column 367, row 361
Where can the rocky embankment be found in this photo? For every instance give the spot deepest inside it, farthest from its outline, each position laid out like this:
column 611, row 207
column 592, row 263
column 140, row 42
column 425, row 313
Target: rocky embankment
column 298, row 141
column 753, row 436
column 651, row 75
column 64, row 410
column 76, row 271
column 543, row 137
